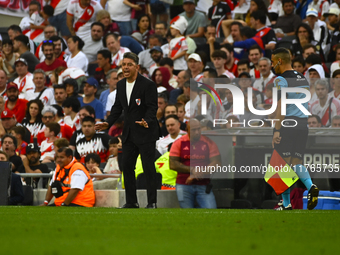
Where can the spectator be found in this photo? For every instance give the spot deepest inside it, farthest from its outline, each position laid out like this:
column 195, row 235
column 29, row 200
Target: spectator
column 144, row 56
column 171, row 109
column 231, row 64
column 299, row 64
column 131, row 43
column 161, row 77
column 219, row 58
column 217, row 13
column 78, row 134
column 60, row 143
column 333, row 18
column 196, row 66
column 211, row 44
column 161, row 29
column 45, row 95
column 168, row 63
column 191, row 107
column 51, row 62
column 111, row 41
column 71, row 88
column 8, row 58
column 158, row 8
column 198, row 189
column 3, row 84
column 182, row 77
column 9, row 144
column 144, row 27
column 108, row 97
column 120, row 13
column 14, row 103
column 19, row 133
column 60, row 94
column 79, row 19
column 71, row 108
column 325, row 106
column 178, row 46
column 49, row 31
column 47, row 148
column 103, row 16
column 196, row 20
column 314, row 73
column 319, row 28
column 162, row 103
column 314, row 121
column 336, row 64
column 269, row 94
column 156, row 55
column 25, row 23
column 104, row 66
column 172, row 125
column 39, row 20
column 14, row 31
column 94, row 43
column 77, row 188
column 16, row 193
column 255, row 54
column 335, row 93
column 336, row 122
column 289, row 21
column 59, row 47
column 92, row 142
column 66, row 131
column 90, row 89
column 266, row 74
column 248, row 115
column 33, row 118
column 181, row 112
column 25, row 79
column 112, row 166
column 20, row 45
column 243, row 66
column 77, row 58
column 92, row 163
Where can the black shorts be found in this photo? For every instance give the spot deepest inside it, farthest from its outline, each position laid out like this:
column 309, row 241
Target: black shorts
column 293, row 139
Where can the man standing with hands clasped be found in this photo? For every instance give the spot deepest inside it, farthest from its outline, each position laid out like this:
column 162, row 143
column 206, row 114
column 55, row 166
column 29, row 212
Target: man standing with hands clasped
column 137, row 96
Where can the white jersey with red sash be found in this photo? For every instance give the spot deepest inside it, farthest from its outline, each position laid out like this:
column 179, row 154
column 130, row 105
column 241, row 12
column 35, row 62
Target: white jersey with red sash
column 25, row 84
column 118, row 57
column 47, row 149
column 176, row 46
column 37, row 35
column 255, row 73
column 83, row 17
column 59, row 6
column 199, row 77
column 325, row 111
column 334, row 94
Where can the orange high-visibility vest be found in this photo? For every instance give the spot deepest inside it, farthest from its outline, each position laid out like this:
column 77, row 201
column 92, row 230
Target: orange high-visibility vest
column 84, row 197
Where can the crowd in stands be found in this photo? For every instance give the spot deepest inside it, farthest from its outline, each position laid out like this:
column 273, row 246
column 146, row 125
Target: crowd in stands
column 60, row 66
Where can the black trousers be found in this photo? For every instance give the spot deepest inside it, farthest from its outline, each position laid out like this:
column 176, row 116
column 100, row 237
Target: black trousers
column 130, row 154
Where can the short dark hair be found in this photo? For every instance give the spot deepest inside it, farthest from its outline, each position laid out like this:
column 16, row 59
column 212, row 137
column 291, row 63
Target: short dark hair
column 60, row 112
column 259, row 15
column 287, row 1
column 172, row 116
column 106, row 54
column 54, row 127
column 299, row 59
column 171, row 105
column 47, row 43
column 15, row 141
column 211, row 72
column 114, row 35
column 23, row 39
column 158, row 37
column 237, row 23
column 164, row 96
column 162, row 22
column 132, row 56
column 68, row 151
column 90, row 119
column 94, row 156
column 318, row 119
column 81, row 43
column 114, row 140
column 15, row 28
column 335, row 73
column 97, row 23
column 7, row 41
column 228, row 47
column 48, row 10
column 166, row 61
column 20, row 130
column 71, row 102
column 219, row 54
column 243, row 62
column 307, row 46
column 35, row 3
column 89, row 109
column 314, row 59
column 247, row 32
column 206, row 28
column 255, row 47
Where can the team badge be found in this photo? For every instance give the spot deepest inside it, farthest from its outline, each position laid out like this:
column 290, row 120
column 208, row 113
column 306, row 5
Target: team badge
column 89, row 12
column 138, row 101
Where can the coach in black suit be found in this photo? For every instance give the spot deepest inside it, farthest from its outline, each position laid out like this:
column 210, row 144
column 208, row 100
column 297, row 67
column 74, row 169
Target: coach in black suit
column 137, row 96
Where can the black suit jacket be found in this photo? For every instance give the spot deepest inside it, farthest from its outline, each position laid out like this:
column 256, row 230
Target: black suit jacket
column 143, row 105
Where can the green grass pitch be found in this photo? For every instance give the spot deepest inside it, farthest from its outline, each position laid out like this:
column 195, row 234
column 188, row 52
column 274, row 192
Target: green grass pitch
column 46, row 230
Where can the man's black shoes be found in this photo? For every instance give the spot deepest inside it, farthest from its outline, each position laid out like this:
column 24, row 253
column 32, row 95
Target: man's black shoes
column 312, row 197
column 128, row 206
column 151, row 206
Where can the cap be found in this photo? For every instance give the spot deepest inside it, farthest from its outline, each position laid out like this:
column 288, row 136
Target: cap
column 157, row 48
column 12, row 85
column 120, row 70
column 138, row 36
column 32, row 147
column 7, row 114
column 92, row 81
column 195, row 56
column 312, row 12
column 334, row 11
column 189, row 1
column 180, row 23
column 22, row 60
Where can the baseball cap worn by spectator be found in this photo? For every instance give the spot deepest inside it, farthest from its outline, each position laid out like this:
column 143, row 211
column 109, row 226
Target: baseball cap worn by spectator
column 312, row 12
column 7, row 114
column 32, row 147
column 12, row 85
column 92, row 81
column 21, row 60
column 195, row 56
column 180, row 23
column 334, row 11
column 156, row 48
